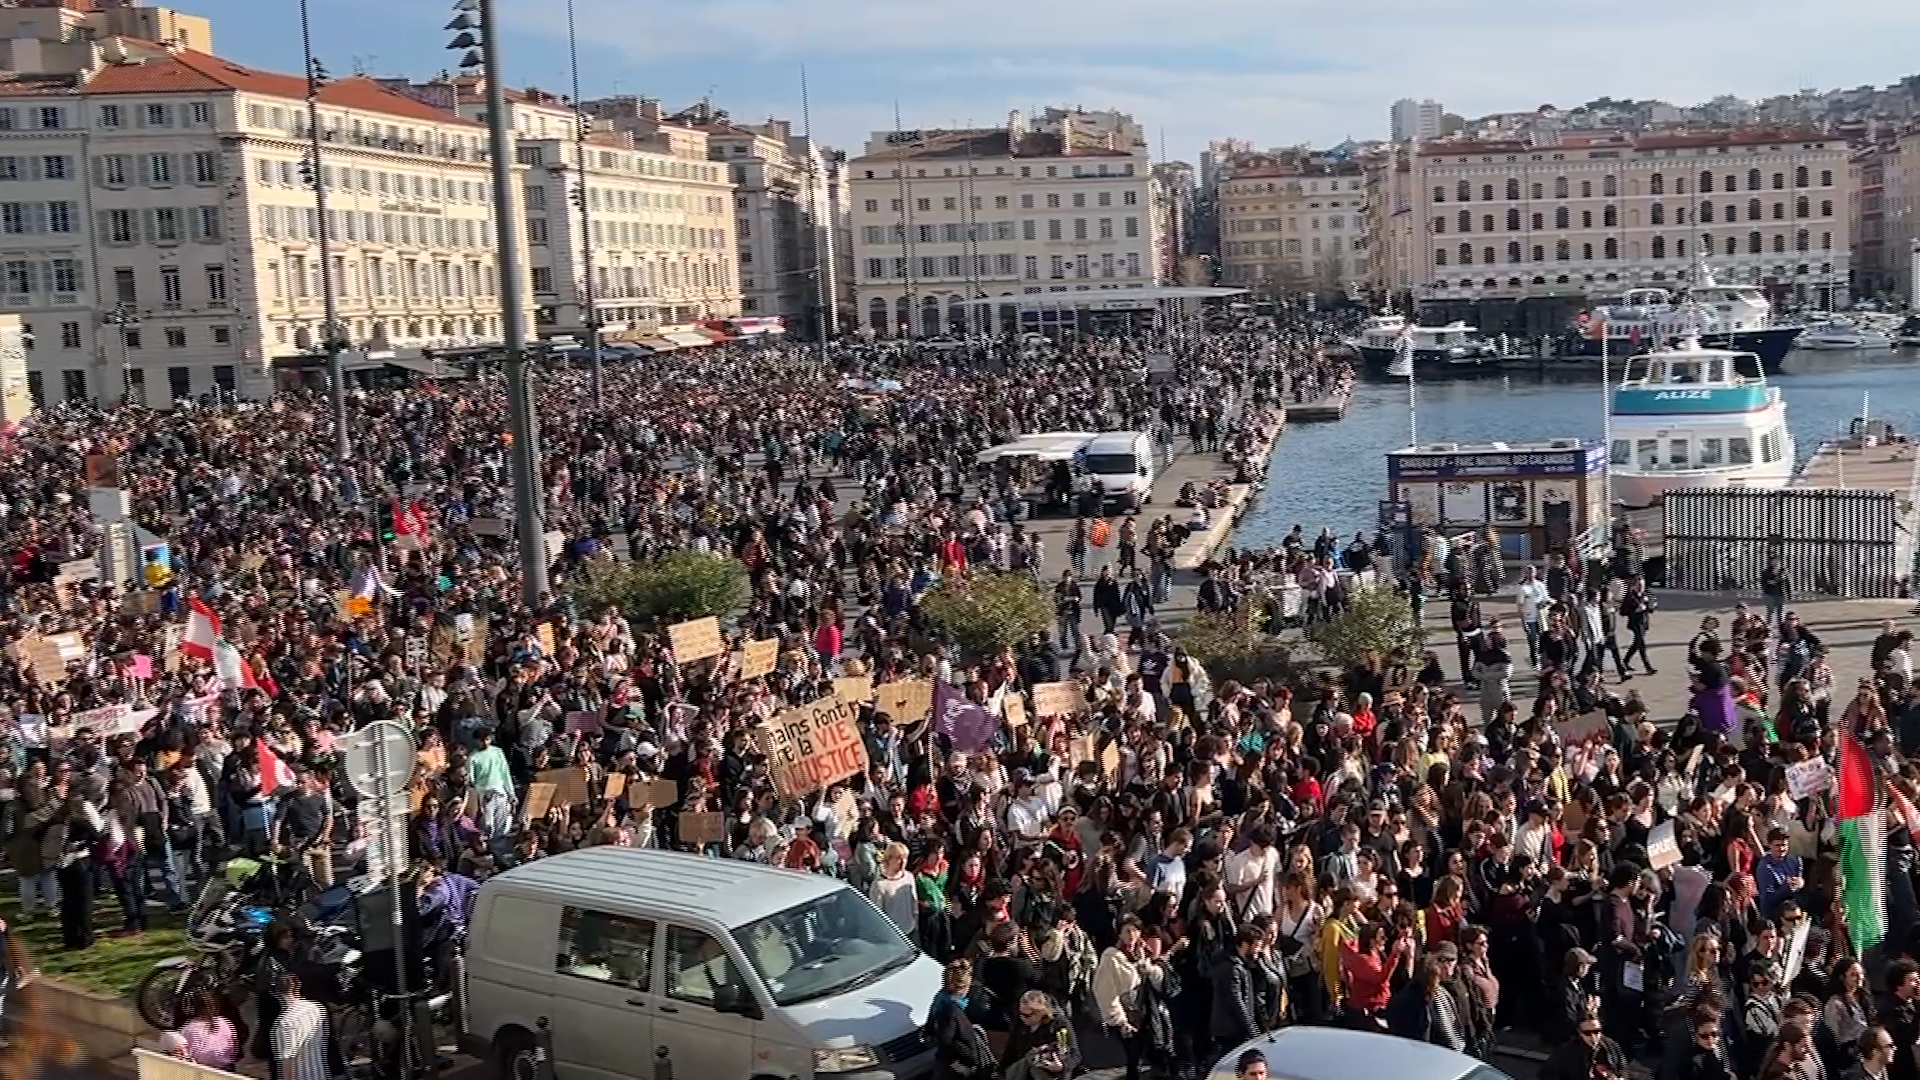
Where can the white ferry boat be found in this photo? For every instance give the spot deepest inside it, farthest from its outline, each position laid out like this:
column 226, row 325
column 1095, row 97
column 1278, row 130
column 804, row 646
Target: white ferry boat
column 1688, row 418
column 1845, row 334
column 1731, row 316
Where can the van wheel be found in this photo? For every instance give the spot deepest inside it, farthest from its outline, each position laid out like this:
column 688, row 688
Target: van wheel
column 513, row 1056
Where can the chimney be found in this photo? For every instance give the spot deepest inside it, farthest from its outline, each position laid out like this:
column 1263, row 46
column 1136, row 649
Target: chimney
column 1066, row 133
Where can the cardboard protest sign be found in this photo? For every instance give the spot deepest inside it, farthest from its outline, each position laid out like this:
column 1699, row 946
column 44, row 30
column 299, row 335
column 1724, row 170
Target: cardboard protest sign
column 696, row 639
column 78, row 570
column 854, row 689
column 701, row 827
column 1808, row 778
column 544, row 635
column 907, row 701
column 476, row 644
column 812, row 746
column 1579, row 729
column 1663, row 850
column 569, row 786
column 1059, row 699
column 583, row 723
column 42, row 658
column 658, row 794
column 846, row 813
column 1015, row 710
column 758, row 658
column 616, row 786
column 539, row 799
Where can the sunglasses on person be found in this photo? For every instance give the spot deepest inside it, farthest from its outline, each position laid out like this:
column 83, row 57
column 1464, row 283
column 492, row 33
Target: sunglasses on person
column 1589, row 1030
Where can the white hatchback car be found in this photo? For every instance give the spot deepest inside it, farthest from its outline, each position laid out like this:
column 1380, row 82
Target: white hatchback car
column 1324, row 1053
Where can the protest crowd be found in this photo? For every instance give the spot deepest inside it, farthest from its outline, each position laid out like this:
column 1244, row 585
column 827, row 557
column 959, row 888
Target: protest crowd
column 1111, row 852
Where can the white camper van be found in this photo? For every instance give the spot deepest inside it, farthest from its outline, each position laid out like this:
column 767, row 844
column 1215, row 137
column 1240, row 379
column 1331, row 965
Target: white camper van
column 717, row 969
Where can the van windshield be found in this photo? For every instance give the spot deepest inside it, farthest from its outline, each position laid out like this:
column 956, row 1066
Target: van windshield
column 1109, row 464
column 823, row 947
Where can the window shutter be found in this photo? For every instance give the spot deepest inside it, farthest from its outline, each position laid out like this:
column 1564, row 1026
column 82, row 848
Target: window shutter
column 149, row 232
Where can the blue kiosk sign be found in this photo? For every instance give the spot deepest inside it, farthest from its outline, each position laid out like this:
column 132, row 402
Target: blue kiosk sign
column 1422, row 465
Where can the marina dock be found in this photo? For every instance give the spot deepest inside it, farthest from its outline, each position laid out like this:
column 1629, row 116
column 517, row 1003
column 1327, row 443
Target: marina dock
column 1322, row 410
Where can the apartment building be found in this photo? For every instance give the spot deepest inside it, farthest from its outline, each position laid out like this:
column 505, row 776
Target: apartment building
column 1291, row 223
column 1885, row 210
column 1469, row 221
column 785, row 187
column 1416, row 121
column 1064, row 202
column 66, row 36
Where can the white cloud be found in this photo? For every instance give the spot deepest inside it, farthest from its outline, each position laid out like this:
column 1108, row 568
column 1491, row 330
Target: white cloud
column 1274, row 71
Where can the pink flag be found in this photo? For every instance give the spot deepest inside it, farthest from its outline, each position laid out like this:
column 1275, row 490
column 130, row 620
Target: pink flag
column 140, row 667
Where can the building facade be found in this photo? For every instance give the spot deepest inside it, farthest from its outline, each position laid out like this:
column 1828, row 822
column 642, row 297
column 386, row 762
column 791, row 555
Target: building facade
column 1463, row 221
column 1292, row 224
column 1064, row 202
column 164, row 242
column 1885, row 211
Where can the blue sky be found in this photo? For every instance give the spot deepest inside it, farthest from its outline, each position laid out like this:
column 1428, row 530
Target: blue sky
column 1273, row 71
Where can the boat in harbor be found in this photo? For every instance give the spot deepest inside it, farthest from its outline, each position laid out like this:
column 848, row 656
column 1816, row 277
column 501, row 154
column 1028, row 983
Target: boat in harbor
column 1738, row 318
column 1386, row 338
column 1844, row 334
column 1907, row 334
column 1688, row 417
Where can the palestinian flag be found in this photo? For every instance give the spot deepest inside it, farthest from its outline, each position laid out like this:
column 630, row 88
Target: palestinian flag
column 1860, row 814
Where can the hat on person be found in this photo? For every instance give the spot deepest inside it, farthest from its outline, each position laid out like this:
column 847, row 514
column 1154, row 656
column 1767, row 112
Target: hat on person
column 1582, row 955
column 1377, row 806
column 646, row 749
column 1447, row 949
column 1021, row 778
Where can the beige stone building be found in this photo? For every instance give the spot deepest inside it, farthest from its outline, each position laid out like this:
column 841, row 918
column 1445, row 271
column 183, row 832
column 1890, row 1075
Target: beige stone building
column 1465, row 221
column 1291, row 224
column 1885, row 211
column 1064, row 202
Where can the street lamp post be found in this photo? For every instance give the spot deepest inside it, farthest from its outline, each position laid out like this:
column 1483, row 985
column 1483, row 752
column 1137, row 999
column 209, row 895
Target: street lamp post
column 589, row 310
column 329, row 299
column 477, row 17
column 123, row 318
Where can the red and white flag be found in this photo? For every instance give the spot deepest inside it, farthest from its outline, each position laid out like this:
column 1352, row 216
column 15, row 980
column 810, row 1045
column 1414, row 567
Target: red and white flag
column 234, row 671
column 409, row 525
column 203, row 631
column 274, row 773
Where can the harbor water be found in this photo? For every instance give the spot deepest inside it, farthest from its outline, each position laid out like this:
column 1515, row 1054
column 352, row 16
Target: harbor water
column 1335, row 474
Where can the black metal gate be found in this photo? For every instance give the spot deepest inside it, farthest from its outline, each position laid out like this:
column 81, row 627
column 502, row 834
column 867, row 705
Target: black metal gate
column 1830, row 541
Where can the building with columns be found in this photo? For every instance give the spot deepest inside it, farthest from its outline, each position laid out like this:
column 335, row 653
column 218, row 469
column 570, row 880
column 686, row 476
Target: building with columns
column 1487, row 228
column 1062, row 202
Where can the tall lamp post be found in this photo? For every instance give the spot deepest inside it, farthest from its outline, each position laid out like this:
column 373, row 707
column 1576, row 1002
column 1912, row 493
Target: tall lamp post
column 589, row 309
column 123, row 318
column 315, row 176
column 475, row 21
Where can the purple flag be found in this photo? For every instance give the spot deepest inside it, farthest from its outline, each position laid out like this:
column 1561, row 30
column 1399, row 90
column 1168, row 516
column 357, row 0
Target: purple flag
column 968, row 727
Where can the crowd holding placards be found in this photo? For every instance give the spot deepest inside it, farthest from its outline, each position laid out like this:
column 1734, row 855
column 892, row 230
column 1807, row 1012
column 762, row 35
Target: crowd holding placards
column 1097, row 838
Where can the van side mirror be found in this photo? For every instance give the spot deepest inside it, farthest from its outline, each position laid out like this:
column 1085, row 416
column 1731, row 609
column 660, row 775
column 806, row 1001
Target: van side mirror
column 732, row 998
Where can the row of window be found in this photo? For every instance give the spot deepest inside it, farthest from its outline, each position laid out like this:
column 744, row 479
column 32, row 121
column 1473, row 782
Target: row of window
column 480, row 326
column 1247, row 225
column 1080, row 172
column 25, row 278
column 72, row 337
column 1687, row 453
column 954, row 233
column 1657, row 248
column 36, row 167
column 33, row 118
column 1751, row 274
column 661, row 167
column 643, row 281
column 382, row 278
column 37, row 218
column 160, row 225
column 302, row 224
column 1610, row 185
column 341, row 179
column 125, row 285
column 1291, row 246
column 293, row 121
column 1563, row 217
column 154, row 114
column 949, row 267
column 73, row 383
column 1052, row 201
column 155, row 170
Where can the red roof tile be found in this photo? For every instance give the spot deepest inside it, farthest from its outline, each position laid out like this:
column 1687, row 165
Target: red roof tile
column 187, row 72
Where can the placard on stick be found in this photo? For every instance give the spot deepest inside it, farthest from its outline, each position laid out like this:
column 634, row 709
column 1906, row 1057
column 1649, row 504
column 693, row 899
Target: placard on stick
column 758, row 658
column 1663, row 850
column 907, row 701
column 853, row 689
column 701, row 827
column 812, row 746
column 696, row 639
column 1059, row 699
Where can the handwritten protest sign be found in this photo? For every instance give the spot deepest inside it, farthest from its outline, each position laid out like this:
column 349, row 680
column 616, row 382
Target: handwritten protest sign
column 700, row 827
column 905, row 700
column 1662, row 849
column 854, row 689
column 812, row 746
column 1058, row 699
column 757, row 658
column 1579, row 729
column 544, row 635
column 1808, row 778
column 1015, row 710
column 569, row 786
column 696, row 639
column 583, row 723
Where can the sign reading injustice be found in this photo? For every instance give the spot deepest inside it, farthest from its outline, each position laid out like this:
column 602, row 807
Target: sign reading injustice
column 812, row 746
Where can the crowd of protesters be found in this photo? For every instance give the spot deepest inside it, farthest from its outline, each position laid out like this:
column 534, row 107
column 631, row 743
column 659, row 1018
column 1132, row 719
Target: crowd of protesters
column 1233, row 856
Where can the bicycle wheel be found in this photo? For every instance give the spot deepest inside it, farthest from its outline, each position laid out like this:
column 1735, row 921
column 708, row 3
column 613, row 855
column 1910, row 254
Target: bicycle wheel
column 353, row 1033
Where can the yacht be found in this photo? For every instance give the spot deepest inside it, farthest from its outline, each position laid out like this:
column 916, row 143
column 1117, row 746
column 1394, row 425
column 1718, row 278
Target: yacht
column 1456, row 345
column 1841, row 334
column 1734, row 317
column 1908, row 332
column 1688, row 418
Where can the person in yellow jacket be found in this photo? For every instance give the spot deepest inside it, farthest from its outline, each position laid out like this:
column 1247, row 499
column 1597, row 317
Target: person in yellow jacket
column 1338, row 931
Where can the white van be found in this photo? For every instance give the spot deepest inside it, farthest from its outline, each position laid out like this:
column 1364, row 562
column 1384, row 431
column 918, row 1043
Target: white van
column 716, row 969
column 1122, row 463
